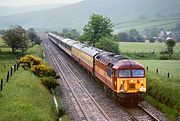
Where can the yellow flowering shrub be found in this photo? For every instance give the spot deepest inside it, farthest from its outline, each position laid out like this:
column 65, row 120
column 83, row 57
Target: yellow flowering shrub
column 29, row 60
column 43, row 70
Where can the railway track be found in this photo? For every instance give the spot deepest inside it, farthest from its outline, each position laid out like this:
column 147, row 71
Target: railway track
column 90, row 110
column 140, row 114
column 82, row 99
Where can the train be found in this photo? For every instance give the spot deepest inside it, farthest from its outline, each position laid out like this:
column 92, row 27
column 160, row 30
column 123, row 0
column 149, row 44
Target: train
column 123, row 76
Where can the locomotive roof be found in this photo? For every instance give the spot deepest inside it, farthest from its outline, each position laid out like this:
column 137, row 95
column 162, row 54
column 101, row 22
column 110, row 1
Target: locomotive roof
column 90, row 50
column 126, row 64
column 109, row 58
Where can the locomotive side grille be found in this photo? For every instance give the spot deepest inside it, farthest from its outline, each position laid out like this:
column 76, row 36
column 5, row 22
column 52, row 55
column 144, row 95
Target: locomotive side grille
column 131, row 86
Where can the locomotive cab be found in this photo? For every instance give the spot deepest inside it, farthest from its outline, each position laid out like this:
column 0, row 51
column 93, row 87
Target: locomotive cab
column 129, row 77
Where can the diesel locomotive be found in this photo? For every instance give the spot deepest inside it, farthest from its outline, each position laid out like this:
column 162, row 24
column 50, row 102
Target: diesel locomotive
column 121, row 75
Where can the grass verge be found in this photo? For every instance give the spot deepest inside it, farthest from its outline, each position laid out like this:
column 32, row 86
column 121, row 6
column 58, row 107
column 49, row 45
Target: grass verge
column 25, row 99
column 164, row 94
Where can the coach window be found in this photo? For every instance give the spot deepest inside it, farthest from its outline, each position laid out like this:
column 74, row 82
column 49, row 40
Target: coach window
column 109, row 72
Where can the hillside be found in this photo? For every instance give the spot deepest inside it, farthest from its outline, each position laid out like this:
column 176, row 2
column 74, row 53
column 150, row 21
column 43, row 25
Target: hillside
column 124, row 14
column 9, row 10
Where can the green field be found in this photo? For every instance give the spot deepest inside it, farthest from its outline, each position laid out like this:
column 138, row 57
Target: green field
column 164, row 67
column 138, row 47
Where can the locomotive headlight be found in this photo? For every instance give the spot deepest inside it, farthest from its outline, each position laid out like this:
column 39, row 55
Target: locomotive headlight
column 131, row 80
column 142, row 81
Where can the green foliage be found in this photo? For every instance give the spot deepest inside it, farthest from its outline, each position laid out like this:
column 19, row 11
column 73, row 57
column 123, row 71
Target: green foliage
column 61, row 112
column 16, row 38
column 169, row 112
column 108, row 44
column 164, row 90
column 170, row 43
column 97, row 27
column 163, row 57
column 33, row 36
column 2, row 32
column 70, row 33
column 123, row 36
column 49, row 82
column 36, row 50
column 132, row 36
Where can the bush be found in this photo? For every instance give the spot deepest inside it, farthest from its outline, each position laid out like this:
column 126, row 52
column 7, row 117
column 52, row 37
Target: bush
column 163, row 57
column 43, row 71
column 61, row 112
column 141, row 55
column 49, row 82
column 29, row 60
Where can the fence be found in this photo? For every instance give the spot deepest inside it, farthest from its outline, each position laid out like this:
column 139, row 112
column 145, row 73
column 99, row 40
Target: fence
column 12, row 70
column 165, row 74
column 153, row 51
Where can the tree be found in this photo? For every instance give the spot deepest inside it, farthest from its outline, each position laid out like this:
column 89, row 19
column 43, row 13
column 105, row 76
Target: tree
column 70, row 33
column 97, row 27
column 123, row 36
column 134, row 36
column 33, row 36
column 2, row 32
column 16, row 38
column 108, row 44
column 170, row 43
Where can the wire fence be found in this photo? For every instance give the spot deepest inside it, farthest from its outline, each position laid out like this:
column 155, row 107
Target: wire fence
column 11, row 71
column 152, row 51
column 163, row 73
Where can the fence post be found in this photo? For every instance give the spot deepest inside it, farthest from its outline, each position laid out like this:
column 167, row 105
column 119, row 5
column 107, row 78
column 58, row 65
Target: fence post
column 8, row 76
column 11, row 71
column 17, row 66
column 1, row 84
column 168, row 74
column 157, row 71
column 14, row 67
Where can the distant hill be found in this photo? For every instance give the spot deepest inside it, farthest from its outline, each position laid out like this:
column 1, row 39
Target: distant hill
column 125, row 14
column 9, row 10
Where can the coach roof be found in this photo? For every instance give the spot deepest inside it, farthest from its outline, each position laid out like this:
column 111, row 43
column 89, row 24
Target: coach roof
column 90, row 50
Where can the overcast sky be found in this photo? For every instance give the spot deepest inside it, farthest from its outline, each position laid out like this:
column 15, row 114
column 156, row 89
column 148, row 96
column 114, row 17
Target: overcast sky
column 34, row 2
